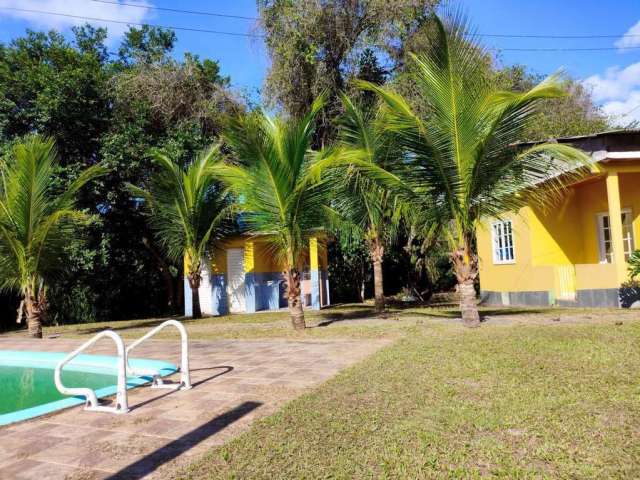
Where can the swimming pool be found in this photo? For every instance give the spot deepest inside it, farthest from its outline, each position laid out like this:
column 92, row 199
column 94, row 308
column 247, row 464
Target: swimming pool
column 27, row 387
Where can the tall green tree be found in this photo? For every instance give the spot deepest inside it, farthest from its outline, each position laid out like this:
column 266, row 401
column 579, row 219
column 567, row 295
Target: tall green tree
column 574, row 114
column 316, row 47
column 361, row 203
column 188, row 212
column 36, row 223
column 461, row 159
column 278, row 188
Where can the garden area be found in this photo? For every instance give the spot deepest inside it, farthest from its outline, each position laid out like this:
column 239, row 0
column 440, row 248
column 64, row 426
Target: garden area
column 532, row 393
column 369, row 263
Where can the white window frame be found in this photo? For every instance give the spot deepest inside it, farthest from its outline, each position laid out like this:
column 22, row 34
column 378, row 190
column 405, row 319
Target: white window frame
column 628, row 242
column 508, row 245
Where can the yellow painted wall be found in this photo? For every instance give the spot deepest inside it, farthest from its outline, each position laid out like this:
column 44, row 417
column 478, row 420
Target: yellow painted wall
column 565, row 234
column 630, row 198
column 262, row 260
column 553, row 232
column 520, row 276
column 592, row 196
column 265, row 260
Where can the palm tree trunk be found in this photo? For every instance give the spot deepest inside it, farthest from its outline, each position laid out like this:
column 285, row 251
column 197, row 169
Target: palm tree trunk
column 194, row 284
column 465, row 265
column 293, row 297
column 376, row 252
column 34, row 315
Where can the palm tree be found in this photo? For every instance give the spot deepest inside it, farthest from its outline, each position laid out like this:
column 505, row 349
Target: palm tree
column 459, row 139
column 36, row 223
column 188, row 211
column 364, row 205
column 277, row 185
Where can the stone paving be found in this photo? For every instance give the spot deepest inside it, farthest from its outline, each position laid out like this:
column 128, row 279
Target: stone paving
column 235, row 382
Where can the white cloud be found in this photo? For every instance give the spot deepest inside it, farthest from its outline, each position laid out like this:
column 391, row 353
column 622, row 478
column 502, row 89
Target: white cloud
column 632, row 38
column 618, row 92
column 615, row 83
column 77, row 8
column 623, row 112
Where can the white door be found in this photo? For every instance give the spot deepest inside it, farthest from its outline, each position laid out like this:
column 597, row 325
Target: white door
column 235, row 279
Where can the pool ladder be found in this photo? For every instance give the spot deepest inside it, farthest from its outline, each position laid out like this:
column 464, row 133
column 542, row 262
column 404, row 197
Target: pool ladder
column 124, row 369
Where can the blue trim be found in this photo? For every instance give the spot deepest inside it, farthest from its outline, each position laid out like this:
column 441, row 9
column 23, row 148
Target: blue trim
column 85, row 363
column 219, row 300
column 188, row 308
column 249, row 293
column 268, row 288
column 315, row 289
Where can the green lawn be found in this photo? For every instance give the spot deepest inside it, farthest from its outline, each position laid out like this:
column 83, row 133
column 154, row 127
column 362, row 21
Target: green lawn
column 512, row 399
column 348, row 321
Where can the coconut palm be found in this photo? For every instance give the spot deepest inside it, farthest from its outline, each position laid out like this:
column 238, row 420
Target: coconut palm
column 365, row 206
column 459, row 138
column 278, row 189
column 36, row 223
column 188, row 212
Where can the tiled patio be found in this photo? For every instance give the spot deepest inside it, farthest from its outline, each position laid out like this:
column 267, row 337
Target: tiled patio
column 235, row 382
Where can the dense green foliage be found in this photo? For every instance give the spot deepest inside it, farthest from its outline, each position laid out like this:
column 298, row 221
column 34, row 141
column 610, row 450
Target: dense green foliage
column 318, row 47
column 111, row 110
column 573, row 114
column 460, row 162
column 36, row 223
column 277, row 182
column 188, row 212
column 361, row 206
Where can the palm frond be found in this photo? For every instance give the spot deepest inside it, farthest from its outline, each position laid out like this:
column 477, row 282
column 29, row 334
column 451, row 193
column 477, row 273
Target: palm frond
column 277, row 180
column 187, row 207
column 36, row 224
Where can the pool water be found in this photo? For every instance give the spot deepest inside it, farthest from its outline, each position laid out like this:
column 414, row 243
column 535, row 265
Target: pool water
column 25, row 387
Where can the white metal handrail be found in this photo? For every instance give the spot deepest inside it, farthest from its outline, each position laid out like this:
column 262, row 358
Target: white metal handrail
column 185, row 378
column 121, row 405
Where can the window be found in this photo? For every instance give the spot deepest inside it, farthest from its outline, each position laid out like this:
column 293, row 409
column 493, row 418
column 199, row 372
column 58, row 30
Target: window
column 604, row 236
column 503, row 251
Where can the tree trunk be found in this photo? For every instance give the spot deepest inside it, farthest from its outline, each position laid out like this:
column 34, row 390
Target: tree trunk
column 292, row 278
column 465, row 265
column 194, row 284
column 376, row 251
column 34, row 315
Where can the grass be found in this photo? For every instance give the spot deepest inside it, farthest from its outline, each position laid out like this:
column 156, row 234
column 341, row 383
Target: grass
column 348, row 321
column 512, row 399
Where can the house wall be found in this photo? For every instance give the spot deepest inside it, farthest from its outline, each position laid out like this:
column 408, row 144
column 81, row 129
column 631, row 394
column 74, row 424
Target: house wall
column 264, row 285
column 549, row 240
column 630, row 193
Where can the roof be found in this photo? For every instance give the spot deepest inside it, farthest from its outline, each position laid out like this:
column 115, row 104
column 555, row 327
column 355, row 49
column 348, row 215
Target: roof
column 622, row 144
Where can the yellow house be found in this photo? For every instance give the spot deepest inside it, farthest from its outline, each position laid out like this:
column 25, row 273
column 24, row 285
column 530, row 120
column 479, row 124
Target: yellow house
column 576, row 252
column 242, row 275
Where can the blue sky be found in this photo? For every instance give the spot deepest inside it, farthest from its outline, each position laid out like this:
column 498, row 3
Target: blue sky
column 613, row 75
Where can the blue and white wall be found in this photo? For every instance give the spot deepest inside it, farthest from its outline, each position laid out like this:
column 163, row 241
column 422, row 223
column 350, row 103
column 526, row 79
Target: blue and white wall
column 243, row 276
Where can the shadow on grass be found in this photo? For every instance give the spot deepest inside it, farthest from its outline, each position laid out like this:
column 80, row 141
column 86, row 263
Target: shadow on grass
column 455, row 313
column 330, row 317
column 151, row 462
